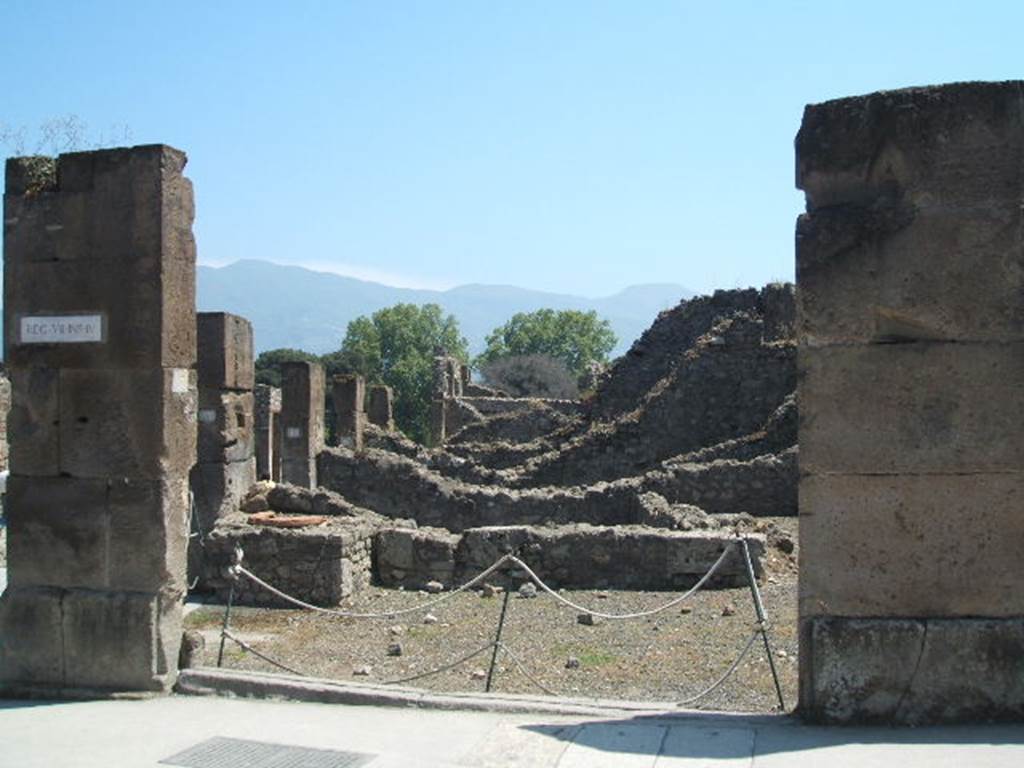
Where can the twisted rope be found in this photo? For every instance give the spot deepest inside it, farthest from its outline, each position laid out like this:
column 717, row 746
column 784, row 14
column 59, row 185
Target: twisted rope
column 622, row 616
column 242, row 570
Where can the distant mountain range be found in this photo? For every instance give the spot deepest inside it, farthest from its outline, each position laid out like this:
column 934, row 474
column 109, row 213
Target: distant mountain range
column 297, row 307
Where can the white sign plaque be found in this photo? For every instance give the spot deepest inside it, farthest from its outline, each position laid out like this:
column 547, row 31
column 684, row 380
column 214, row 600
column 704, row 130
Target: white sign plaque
column 207, row 415
column 60, row 329
column 179, row 381
column 293, row 433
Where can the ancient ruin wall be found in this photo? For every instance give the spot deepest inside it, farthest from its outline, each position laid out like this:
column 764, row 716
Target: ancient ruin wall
column 100, row 341
column 658, row 351
column 727, row 386
column 910, row 263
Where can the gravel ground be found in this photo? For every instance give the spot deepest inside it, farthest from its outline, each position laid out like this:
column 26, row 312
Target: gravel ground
column 668, row 657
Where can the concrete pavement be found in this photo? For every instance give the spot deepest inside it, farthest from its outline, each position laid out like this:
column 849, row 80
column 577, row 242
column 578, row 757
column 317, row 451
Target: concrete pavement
column 146, row 732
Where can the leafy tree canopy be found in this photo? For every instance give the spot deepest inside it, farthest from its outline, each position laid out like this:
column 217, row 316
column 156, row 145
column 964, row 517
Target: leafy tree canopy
column 396, row 346
column 576, row 338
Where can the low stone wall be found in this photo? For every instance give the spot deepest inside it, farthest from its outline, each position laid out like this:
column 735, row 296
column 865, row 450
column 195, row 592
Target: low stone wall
column 412, row 557
column 532, row 418
column 399, row 487
column 320, row 564
column 573, row 557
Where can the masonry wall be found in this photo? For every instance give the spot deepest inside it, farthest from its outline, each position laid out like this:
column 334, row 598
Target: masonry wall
column 100, row 342
column 910, row 263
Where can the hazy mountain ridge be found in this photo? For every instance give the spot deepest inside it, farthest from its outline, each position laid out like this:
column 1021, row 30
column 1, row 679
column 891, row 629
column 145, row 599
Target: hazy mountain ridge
column 296, row 307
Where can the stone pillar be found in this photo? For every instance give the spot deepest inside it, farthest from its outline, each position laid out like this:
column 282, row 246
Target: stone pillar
column 381, row 410
column 302, row 422
column 226, row 468
column 910, row 267
column 348, row 392
column 268, row 429
column 100, row 342
column 5, row 407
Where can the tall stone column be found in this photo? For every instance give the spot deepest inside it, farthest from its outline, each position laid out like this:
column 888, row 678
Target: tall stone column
column 381, row 410
column 226, row 450
column 349, row 394
column 268, row 432
column 910, row 269
column 302, row 422
column 100, row 342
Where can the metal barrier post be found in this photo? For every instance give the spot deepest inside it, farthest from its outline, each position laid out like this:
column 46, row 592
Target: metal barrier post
column 497, row 641
column 762, row 620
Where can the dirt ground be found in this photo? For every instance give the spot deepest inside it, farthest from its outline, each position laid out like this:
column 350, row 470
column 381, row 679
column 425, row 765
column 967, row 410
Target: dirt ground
column 667, row 657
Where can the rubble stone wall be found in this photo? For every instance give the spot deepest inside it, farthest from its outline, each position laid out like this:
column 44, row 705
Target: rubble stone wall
column 320, row 564
column 572, row 557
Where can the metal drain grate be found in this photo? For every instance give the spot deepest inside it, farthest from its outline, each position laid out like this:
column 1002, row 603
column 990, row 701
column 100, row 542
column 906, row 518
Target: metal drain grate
column 221, row 752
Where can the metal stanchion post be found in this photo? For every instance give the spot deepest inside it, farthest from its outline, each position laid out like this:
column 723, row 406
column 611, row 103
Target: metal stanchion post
column 762, row 620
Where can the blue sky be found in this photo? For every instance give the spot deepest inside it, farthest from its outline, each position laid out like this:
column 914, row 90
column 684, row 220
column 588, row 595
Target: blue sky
column 575, row 147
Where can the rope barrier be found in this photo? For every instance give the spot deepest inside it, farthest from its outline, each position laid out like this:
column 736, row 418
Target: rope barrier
column 623, row 616
column 445, row 668
column 728, row 673
column 263, row 656
column 762, row 620
column 523, row 671
column 375, row 615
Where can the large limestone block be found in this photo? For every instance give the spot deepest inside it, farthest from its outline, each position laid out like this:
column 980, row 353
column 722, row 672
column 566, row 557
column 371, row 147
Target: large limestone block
column 33, row 421
column 115, row 242
column 120, row 640
column 225, row 349
column 219, row 488
column 937, row 147
column 892, row 272
column 33, row 652
column 912, row 545
column 912, row 408
column 226, row 426
column 116, row 425
column 302, row 408
column 75, row 533
column 911, row 672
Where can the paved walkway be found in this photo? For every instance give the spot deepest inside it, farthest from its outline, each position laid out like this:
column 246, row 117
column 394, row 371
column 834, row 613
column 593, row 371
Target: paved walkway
column 146, row 732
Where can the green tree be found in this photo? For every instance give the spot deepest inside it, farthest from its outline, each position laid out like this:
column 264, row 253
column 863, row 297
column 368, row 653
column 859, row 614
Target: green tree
column 576, row 338
column 396, row 346
column 268, row 364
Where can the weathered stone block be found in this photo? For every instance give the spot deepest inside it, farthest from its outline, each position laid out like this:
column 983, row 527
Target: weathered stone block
column 892, row 272
column 911, row 545
column 114, row 425
column 33, row 422
column 380, row 411
column 226, row 426
column 914, row 408
column 302, row 422
column 33, row 652
column 225, row 350
column 71, row 532
column 218, row 489
column 912, row 671
column 940, row 146
column 117, row 640
column 112, row 222
column 411, row 557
